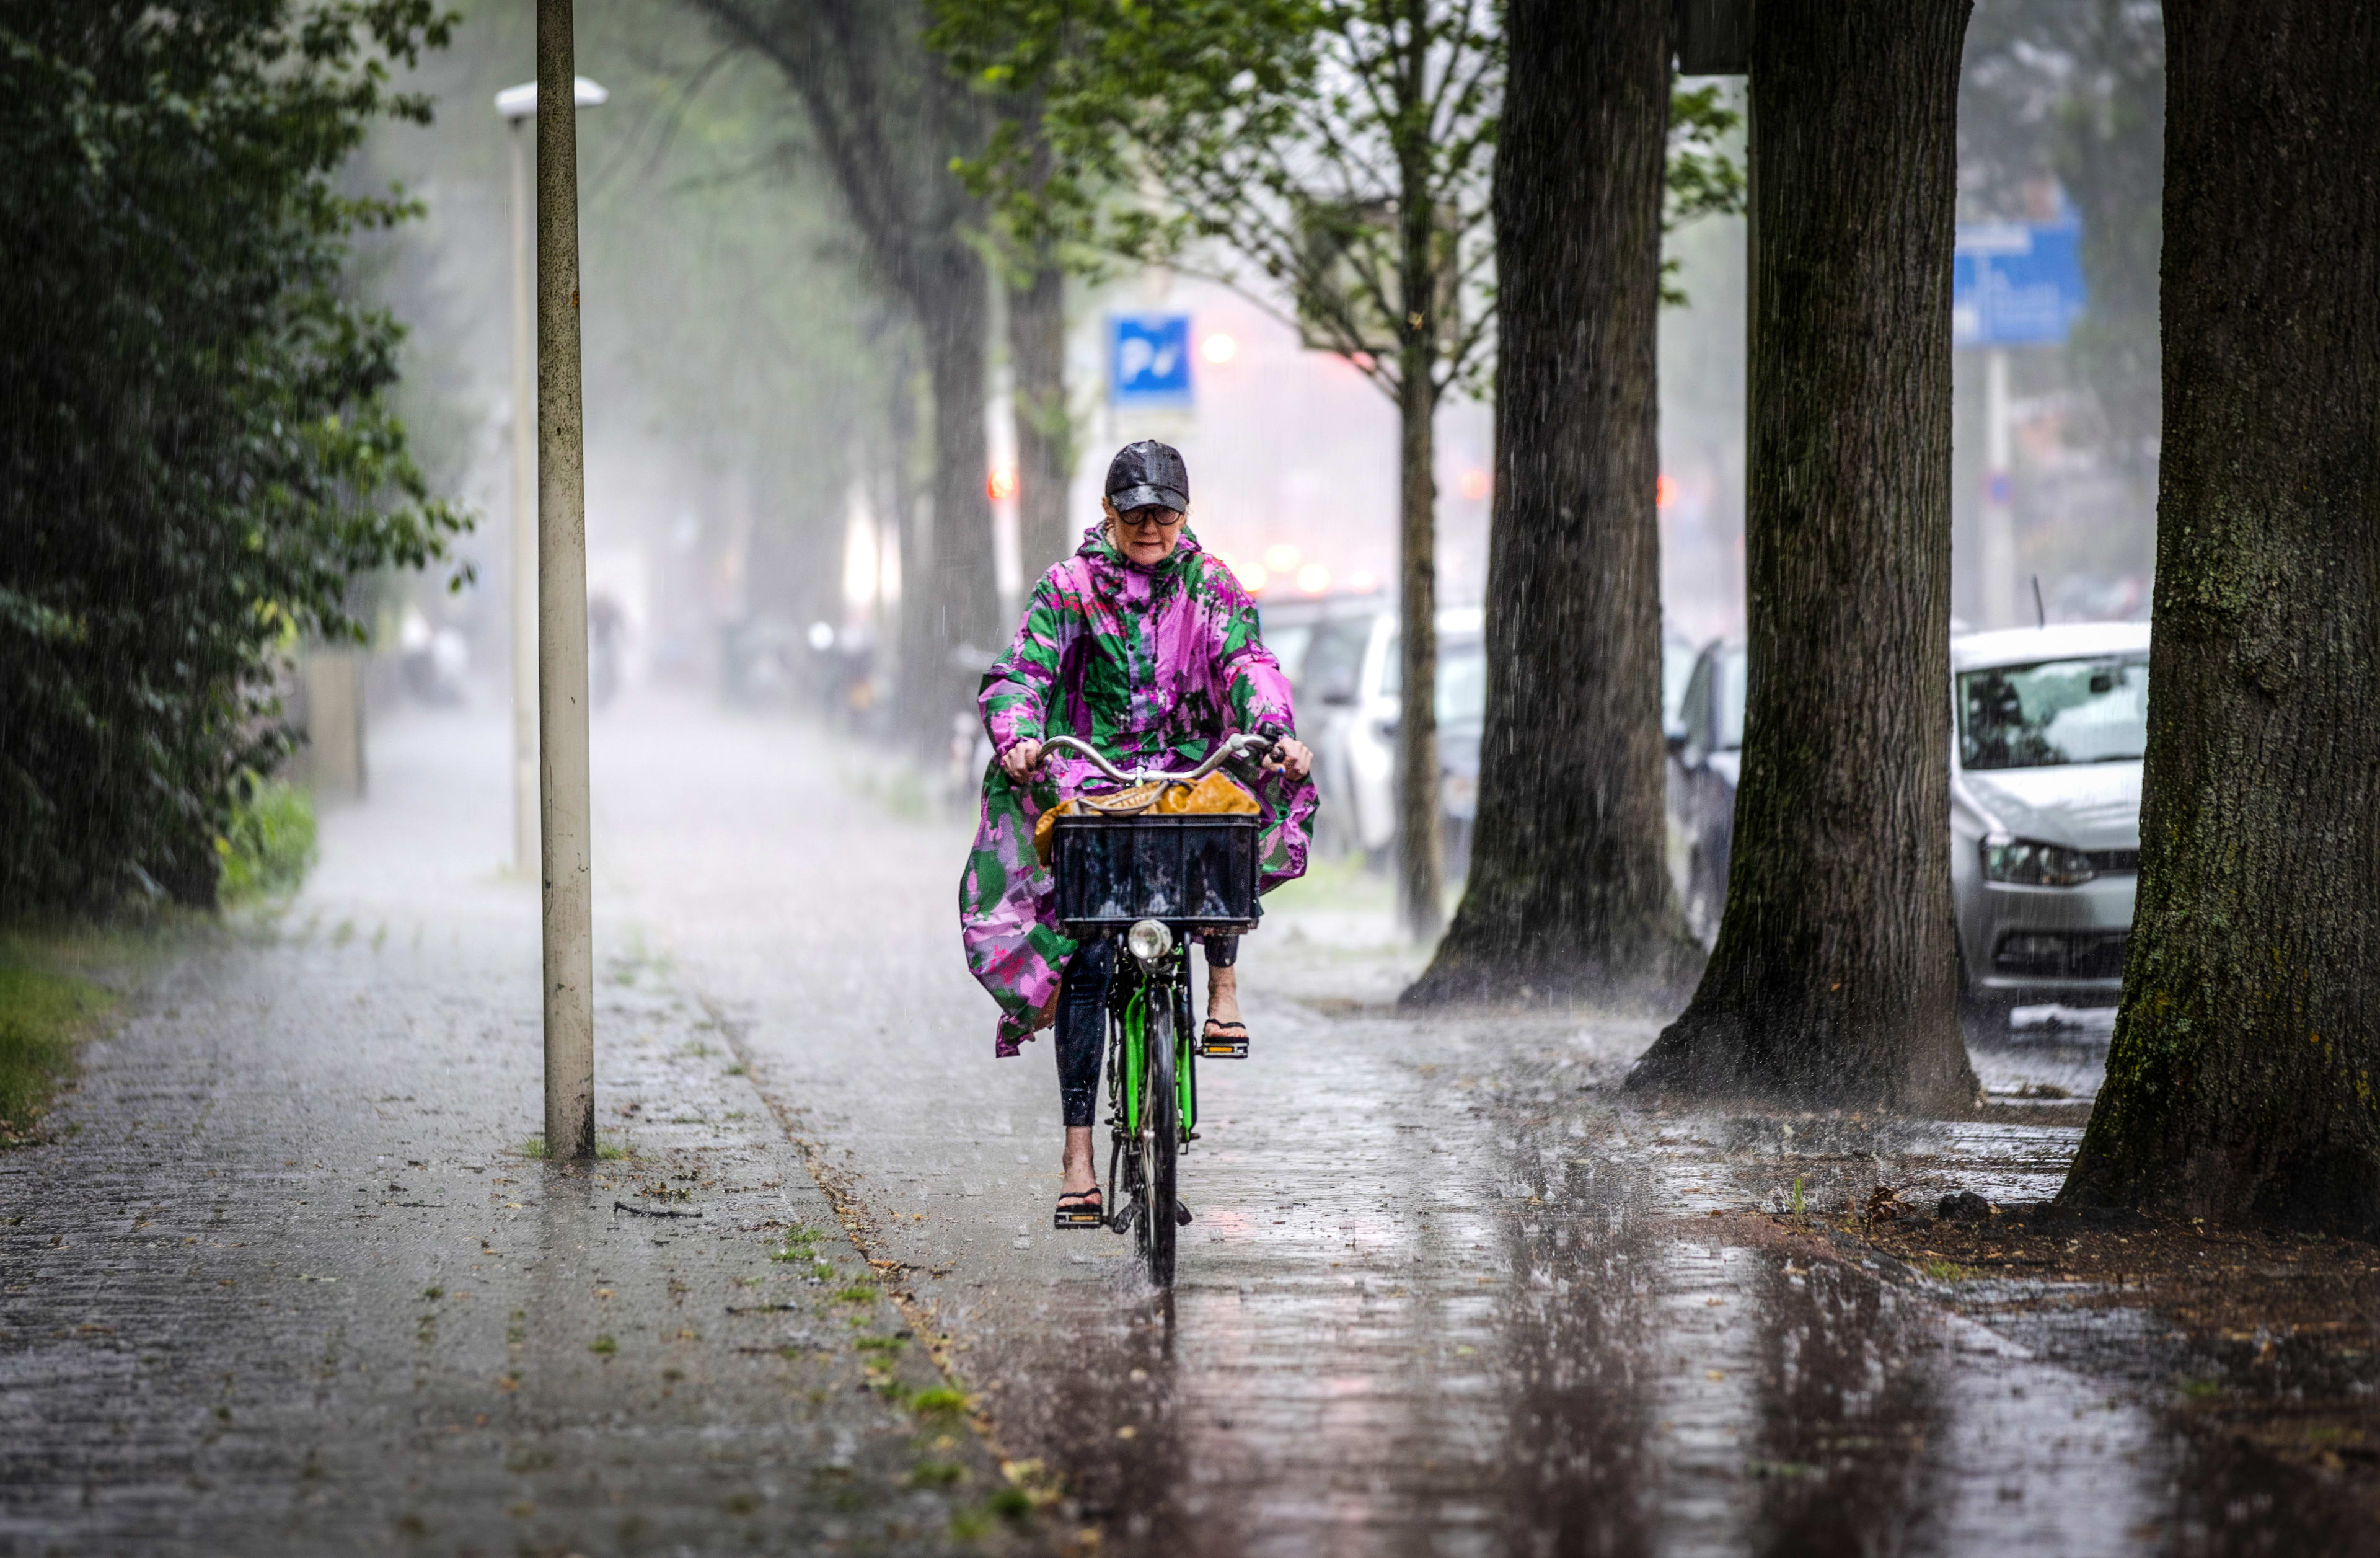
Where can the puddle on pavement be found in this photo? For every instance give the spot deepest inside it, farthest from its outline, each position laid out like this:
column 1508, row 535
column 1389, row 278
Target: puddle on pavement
column 1465, row 1304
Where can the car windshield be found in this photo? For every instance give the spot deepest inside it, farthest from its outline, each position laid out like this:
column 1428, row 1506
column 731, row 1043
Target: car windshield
column 1677, row 670
column 1731, row 669
column 1333, row 661
column 2060, row 712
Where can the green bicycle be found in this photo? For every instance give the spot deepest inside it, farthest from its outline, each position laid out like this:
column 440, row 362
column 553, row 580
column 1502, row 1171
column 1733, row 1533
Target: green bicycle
column 1155, row 881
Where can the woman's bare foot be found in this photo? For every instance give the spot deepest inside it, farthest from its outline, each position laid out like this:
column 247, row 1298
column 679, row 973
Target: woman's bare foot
column 1080, row 1176
column 1223, row 1001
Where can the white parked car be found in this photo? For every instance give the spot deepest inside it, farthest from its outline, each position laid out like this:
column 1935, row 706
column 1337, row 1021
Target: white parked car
column 1352, row 677
column 2046, row 811
column 2048, row 727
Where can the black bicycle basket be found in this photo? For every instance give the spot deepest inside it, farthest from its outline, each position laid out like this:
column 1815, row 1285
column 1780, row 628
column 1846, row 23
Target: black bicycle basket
column 1198, row 871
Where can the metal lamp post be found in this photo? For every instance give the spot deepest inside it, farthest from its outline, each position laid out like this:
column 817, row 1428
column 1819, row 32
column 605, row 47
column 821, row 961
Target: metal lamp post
column 516, row 105
column 554, row 618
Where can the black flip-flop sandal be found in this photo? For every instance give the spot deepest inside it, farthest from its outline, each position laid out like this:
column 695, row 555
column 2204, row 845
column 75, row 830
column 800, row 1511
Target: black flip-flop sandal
column 1084, row 1209
column 1230, row 1042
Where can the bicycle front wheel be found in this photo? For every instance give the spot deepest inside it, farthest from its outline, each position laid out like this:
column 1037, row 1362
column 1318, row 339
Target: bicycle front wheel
column 1160, row 1143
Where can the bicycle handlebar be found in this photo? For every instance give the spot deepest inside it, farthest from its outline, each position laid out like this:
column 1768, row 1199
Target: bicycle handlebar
column 1230, row 747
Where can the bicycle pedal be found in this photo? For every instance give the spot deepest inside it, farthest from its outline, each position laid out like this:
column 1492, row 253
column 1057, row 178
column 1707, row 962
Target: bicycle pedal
column 1222, row 1049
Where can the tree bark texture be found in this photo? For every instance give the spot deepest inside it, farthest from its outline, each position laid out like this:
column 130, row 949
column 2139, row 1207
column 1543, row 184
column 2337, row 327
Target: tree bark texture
column 2240, row 1084
column 1834, row 979
column 907, row 461
column 1045, row 431
column 1421, row 875
column 954, row 317
column 1568, row 893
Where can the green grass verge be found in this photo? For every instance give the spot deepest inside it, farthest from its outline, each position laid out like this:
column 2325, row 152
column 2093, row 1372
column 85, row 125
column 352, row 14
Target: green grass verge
column 268, row 843
column 42, row 1017
column 1343, row 882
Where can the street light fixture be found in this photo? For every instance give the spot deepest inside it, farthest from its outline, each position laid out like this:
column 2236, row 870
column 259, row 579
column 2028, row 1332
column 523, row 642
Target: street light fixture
column 521, row 103
column 516, row 105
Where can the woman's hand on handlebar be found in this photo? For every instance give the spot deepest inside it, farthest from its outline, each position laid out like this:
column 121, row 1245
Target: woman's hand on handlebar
column 1293, row 755
column 1020, row 759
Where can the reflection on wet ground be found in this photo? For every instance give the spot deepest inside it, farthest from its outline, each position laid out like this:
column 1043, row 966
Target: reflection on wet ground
column 1455, row 1305
column 1445, row 1294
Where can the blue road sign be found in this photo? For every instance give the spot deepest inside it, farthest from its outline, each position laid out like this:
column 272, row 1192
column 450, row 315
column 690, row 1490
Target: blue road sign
column 2016, row 284
column 1148, row 359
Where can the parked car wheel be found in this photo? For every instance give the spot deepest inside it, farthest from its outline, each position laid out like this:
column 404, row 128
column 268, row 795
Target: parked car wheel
column 1981, row 1021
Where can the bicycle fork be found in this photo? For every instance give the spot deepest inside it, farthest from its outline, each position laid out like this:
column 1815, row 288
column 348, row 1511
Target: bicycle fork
column 1132, row 1113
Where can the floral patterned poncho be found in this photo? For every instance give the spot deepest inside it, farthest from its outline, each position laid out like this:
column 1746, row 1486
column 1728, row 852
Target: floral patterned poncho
column 1150, row 665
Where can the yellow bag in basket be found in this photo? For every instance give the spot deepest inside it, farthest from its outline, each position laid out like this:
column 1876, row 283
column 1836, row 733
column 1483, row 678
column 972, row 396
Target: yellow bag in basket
column 1218, row 794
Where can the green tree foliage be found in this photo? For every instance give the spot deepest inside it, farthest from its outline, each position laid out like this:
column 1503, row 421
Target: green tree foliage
column 1289, row 133
column 1141, row 129
column 197, row 459
column 1703, row 174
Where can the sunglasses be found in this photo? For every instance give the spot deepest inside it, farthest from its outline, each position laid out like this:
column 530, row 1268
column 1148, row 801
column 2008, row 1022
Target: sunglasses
column 1152, row 514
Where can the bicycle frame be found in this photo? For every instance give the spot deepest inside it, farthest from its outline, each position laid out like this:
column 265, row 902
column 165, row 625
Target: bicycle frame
column 1135, row 1115
column 1152, row 1055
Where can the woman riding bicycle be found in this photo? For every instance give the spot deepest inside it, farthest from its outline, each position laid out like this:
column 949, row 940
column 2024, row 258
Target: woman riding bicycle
column 1145, row 646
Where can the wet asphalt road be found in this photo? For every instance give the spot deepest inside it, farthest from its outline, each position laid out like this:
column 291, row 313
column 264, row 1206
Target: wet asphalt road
column 1444, row 1294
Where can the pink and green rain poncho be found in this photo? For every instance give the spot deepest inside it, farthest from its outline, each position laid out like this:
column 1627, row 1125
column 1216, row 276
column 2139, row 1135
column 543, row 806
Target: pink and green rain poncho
column 1151, row 665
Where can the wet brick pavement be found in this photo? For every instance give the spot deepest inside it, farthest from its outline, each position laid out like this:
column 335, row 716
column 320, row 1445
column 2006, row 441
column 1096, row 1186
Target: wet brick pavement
column 1445, row 1294
column 286, row 1282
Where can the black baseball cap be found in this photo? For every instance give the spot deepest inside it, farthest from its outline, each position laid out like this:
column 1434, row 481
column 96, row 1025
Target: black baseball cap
column 1148, row 473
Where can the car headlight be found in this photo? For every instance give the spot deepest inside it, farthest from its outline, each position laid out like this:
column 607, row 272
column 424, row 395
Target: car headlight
column 2031, row 863
column 1148, row 940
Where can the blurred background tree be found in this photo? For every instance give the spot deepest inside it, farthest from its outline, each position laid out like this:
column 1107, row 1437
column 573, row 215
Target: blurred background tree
column 198, row 452
column 2061, row 108
column 753, row 397
column 887, row 126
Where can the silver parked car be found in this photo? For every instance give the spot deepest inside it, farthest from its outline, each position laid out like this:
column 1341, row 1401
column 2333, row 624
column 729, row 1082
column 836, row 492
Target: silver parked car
column 2049, row 725
column 2046, row 811
column 1705, row 756
column 1354, row 671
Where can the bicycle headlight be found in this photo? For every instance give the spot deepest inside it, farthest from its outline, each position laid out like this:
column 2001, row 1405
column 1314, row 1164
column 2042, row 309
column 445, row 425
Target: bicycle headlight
column 1148, row 940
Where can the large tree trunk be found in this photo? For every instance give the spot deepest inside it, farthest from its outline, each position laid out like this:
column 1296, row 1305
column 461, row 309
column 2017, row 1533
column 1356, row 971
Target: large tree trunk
column 960, row 595
column 1421, row 871
column 1568, row 893
column 2239, row 1083
column 903, row 638
column 1834, row 978
column 1420, row 878
column 1045, row 432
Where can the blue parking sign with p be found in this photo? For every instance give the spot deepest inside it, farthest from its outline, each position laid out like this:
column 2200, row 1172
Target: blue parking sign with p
column 1148, row 359
column 2016, row 284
